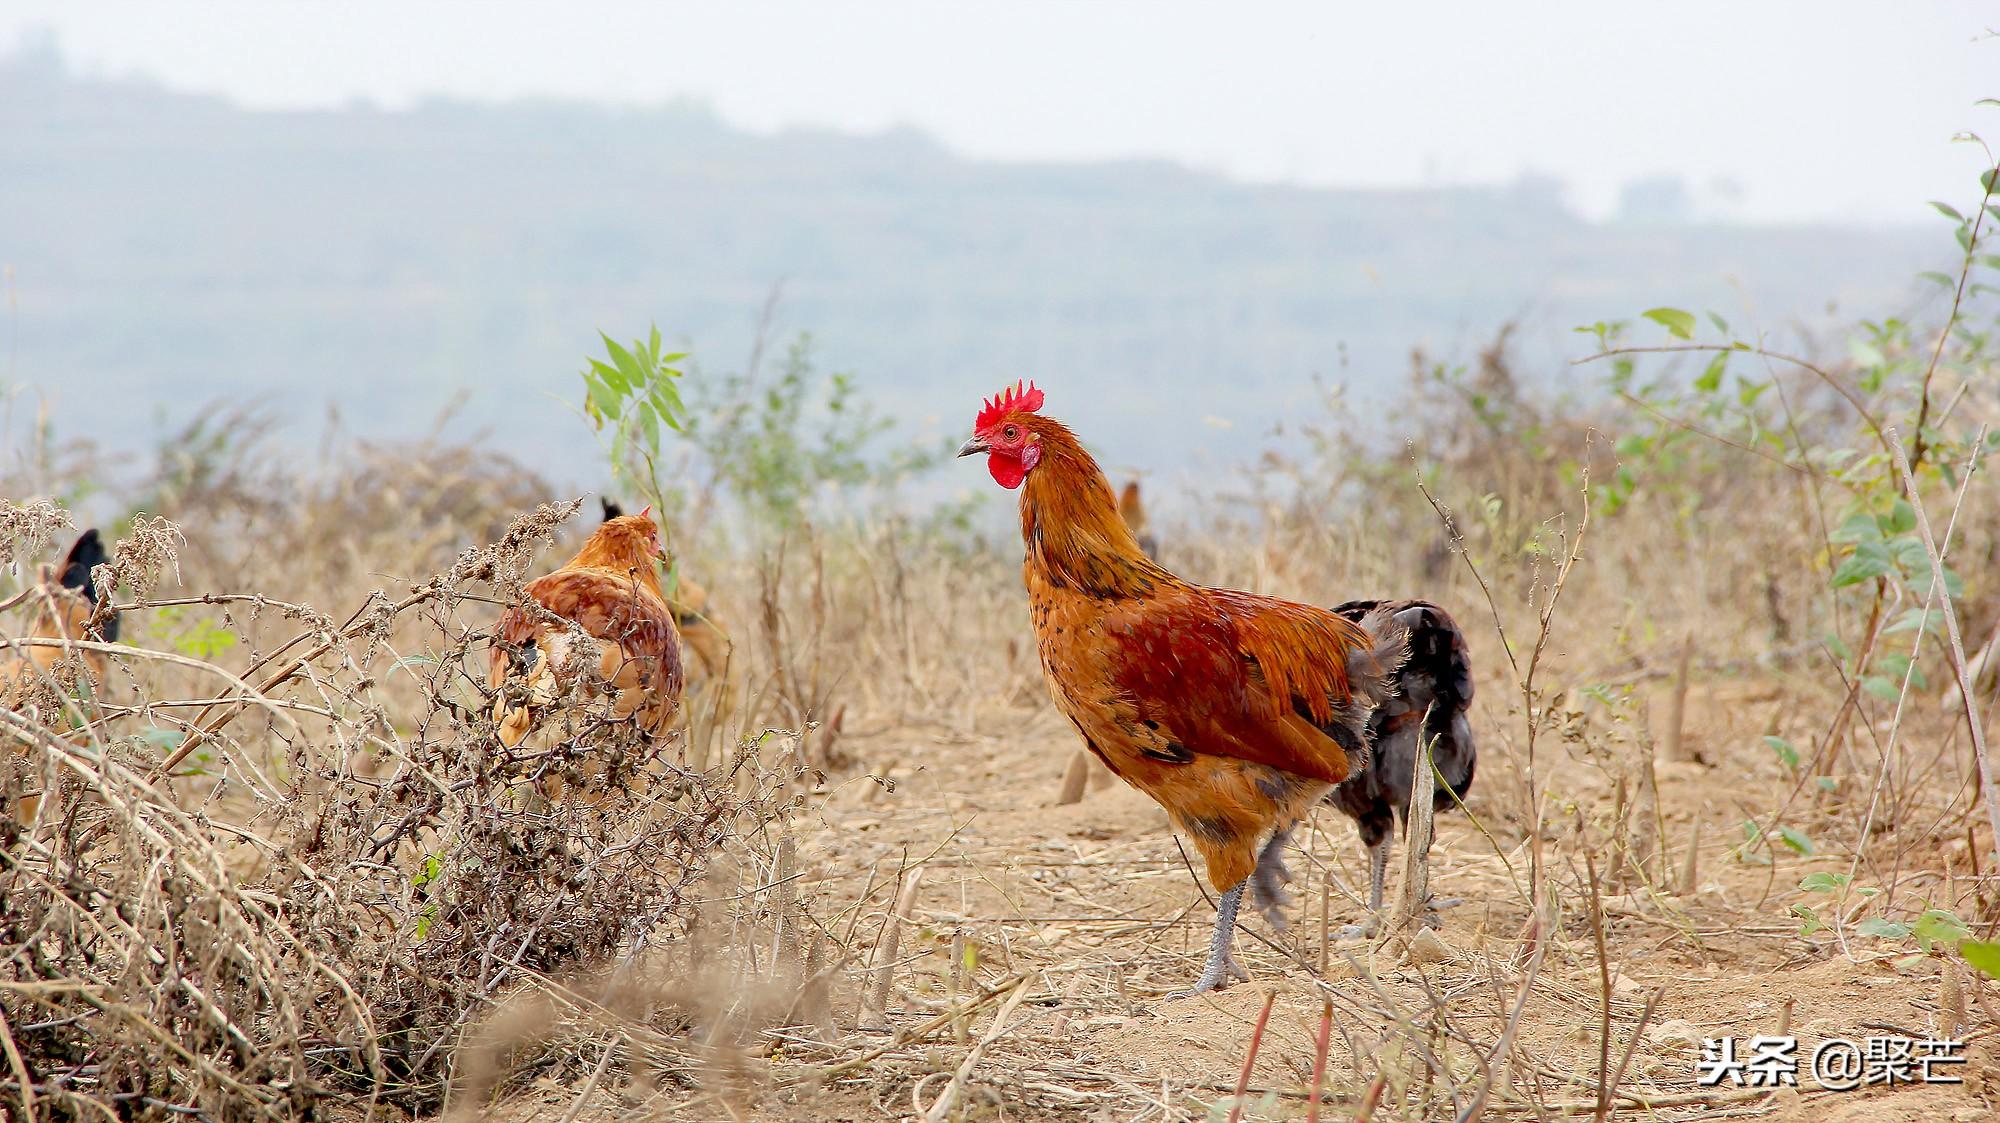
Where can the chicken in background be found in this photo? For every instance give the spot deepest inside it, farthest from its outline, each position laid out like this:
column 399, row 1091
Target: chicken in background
column 1433, row 692
column 1134, row 513
column 602, row 628
column 701, row 632
column 1235, row 712
column 64, row 602
column 707, row 699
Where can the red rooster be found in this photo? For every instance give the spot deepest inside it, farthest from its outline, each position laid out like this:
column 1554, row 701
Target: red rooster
column 611, row 591
column 1235, row 712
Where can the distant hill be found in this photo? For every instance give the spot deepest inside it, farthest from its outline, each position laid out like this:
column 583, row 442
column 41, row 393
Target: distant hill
column 171, row 249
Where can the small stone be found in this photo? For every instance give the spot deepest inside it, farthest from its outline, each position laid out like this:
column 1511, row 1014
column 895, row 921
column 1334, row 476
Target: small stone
column 1676, row 1032
column 1427, row 948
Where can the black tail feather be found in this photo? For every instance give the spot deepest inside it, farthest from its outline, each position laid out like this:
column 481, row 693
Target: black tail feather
column 1433, row 691
column 85, row 555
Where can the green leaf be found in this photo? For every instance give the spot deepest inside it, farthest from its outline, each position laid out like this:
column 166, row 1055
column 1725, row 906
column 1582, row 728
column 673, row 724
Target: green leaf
column 1937, row 926
column 612, row 376
column 1712, row 377
column 649, row 427
column 408, row 661
column 168, row 739
column 1859, row 527
column 1823, row 882
column 1954, row 585
column 1941, row 279
column 604, row 402
column 1881, row 687
column 1983, row 956
column 1809, row 921
column 1787, row 755
column 634, row 373
column 1883, row 929
column 1947, row 210
column 1795, row 839
column 1678, row 323
column 1869, row 560
column 1910, row 555
column 1901, row 519
column 1910, row 619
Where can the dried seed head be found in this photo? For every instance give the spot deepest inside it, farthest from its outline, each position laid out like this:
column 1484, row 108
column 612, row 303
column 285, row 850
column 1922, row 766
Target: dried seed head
column 26, row 529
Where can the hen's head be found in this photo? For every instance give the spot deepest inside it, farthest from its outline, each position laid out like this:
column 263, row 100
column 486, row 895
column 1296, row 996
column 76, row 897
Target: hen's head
column 624, row 541
column 1009, row 431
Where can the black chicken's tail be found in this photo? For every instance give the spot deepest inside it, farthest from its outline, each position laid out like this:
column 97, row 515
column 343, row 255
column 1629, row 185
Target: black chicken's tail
column 1433, row 691
column 75, row 573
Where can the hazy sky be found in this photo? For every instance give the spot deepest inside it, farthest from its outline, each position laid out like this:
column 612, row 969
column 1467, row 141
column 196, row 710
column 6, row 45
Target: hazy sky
column 1770, row 110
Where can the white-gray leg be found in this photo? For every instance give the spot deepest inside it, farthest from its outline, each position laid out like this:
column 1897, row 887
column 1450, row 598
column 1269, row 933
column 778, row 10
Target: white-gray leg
column 1378, row 874
column 1267, row 881
column 1222, row 967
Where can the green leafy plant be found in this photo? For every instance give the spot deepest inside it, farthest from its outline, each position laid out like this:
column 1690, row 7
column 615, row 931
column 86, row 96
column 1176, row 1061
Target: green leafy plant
column 194, row 636
column 773, row 439
column 1983, row 955
column 630, row 396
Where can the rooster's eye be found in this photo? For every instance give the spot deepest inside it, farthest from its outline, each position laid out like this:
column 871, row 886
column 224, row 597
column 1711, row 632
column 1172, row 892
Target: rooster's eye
column 1010, row 432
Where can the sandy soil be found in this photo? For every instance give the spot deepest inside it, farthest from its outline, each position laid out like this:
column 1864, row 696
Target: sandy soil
column 1094, row 903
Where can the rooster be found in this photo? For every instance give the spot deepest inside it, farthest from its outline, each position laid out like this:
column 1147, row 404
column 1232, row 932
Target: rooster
column 1235, row 712
column 600, row 620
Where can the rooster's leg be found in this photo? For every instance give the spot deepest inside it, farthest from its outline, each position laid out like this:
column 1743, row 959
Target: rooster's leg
column 1222, row 967
column 1267, row 882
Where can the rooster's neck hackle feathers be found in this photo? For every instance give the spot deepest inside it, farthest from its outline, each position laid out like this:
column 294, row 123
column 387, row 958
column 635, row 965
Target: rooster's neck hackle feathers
column 1070, row 522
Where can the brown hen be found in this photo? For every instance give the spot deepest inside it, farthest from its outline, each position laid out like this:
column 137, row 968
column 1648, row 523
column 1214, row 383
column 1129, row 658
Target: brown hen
column 600, row 626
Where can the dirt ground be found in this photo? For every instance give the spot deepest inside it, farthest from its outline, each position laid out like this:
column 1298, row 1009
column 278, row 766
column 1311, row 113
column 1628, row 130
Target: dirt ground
column 1094, row 905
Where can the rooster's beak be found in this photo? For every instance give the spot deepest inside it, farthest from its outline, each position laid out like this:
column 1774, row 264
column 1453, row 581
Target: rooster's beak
column 974, row 445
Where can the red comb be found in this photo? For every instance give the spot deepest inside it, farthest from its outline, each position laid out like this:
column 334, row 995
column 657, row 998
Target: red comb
column 646, row 511
column 1008, row 400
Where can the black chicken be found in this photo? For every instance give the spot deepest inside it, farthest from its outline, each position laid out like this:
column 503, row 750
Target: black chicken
column 1434, row 690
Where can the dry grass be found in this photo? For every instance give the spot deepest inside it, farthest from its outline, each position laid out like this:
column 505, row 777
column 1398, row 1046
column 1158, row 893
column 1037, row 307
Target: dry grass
column 346, row 899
